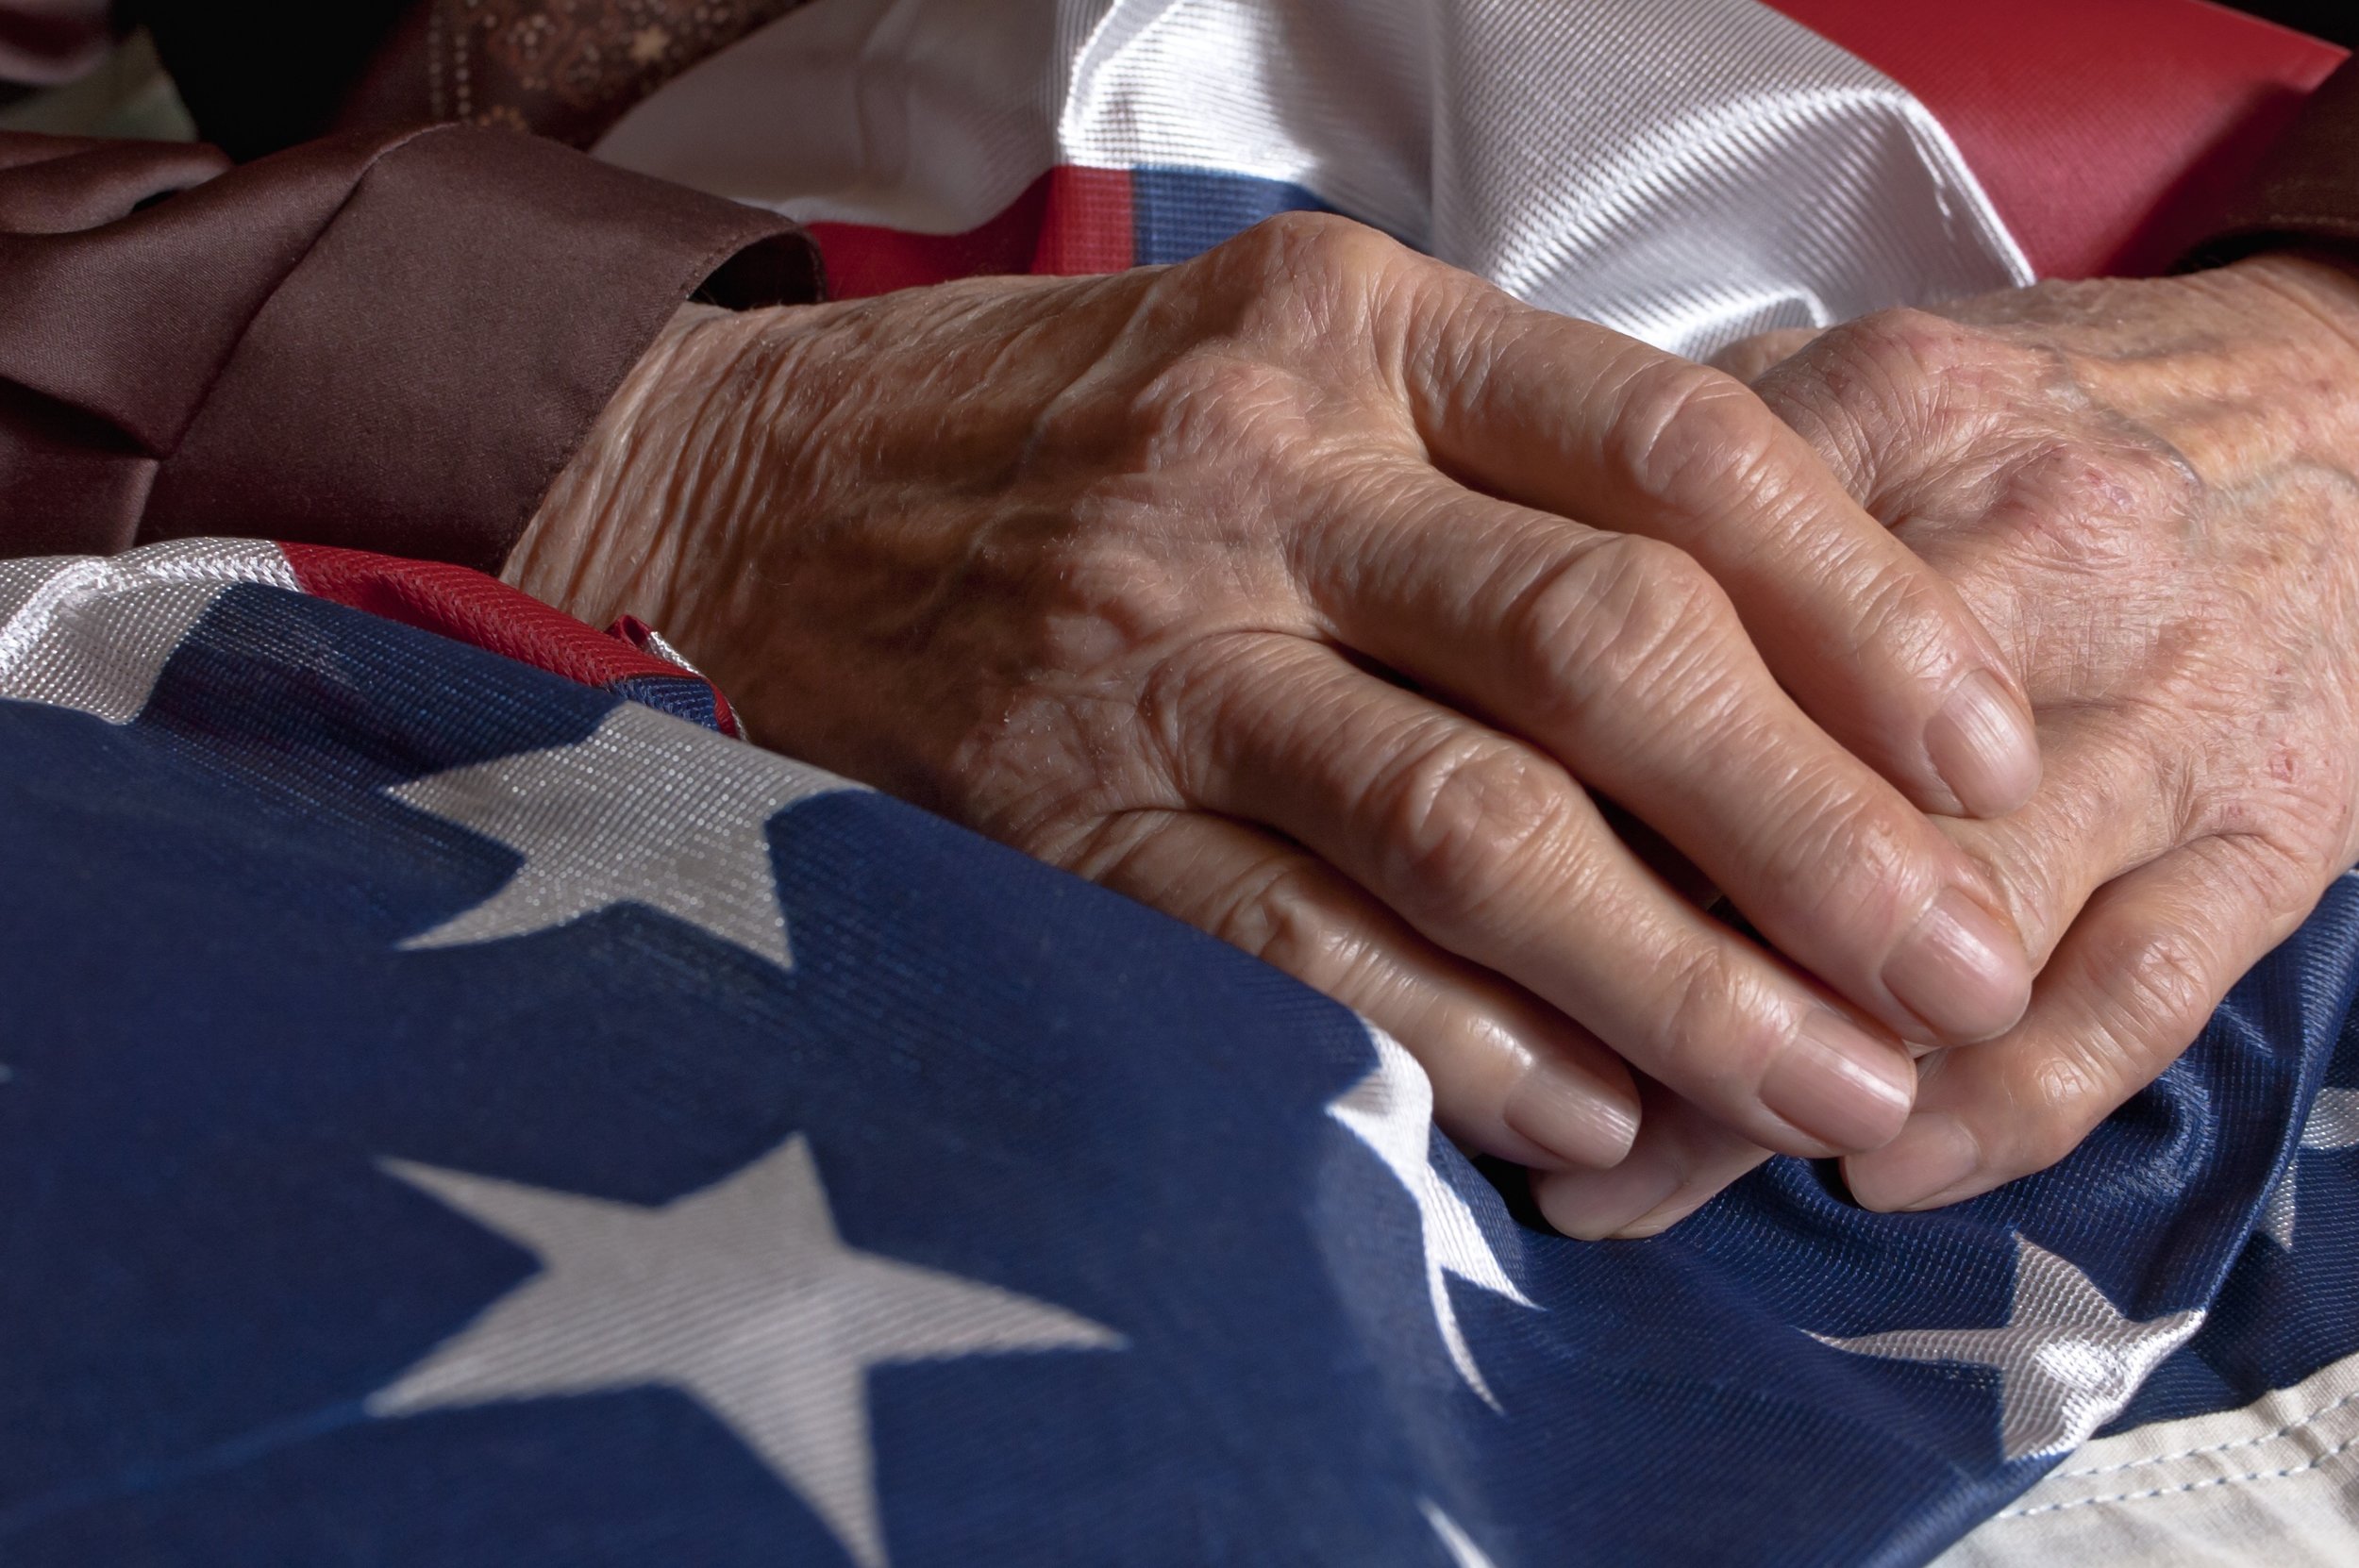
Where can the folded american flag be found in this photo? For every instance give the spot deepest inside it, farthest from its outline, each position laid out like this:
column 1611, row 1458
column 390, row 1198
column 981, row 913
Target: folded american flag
column 458, row 1113
column 461, row 1108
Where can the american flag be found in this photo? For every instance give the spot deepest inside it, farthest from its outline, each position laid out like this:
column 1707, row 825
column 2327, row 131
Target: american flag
column 458, row 1112
column 463, row 1106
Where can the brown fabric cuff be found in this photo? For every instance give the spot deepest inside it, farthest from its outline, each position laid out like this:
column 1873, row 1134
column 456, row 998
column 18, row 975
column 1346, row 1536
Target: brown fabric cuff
column 2308, row 193
column 54, row 40
column 418, row 378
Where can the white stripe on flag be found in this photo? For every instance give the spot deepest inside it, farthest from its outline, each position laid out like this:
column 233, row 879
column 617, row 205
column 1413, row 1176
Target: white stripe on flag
column 2276, row 1482
column 93, row 634
column 1687, row 171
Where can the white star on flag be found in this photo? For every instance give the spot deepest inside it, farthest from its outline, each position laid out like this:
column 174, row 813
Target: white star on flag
column 2068, row 1360
column 2334, row 1123
column 1391, row 1110
column 649, row 809
column 743, row 1296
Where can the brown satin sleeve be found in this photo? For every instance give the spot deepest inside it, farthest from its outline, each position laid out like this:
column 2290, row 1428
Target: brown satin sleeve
column 52, row 41
column 2308, row 192
column 390, row 342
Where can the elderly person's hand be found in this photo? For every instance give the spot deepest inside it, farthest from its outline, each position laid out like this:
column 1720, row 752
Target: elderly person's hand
column 2150, row 490
column 1306, row 591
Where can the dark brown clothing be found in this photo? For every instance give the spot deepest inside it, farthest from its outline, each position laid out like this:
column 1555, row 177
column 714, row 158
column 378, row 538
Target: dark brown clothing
column 564, row 69
column 386, row 336
column 568, row 69
column 2309, row 193
column 388, row 342
column 393, row 338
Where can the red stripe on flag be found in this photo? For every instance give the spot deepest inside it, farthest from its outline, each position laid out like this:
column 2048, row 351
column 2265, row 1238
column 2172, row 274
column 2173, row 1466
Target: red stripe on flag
column 2106, row 131
column 1088, row 225
column 1067, row 221
column 484, row 612
column 863, row 260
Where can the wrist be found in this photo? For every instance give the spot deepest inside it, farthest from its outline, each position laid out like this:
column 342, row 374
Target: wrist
column 2323, row 283
column 629, row 506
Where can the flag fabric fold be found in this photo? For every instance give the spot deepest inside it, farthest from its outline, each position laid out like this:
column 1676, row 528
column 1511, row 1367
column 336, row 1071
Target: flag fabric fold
column 455, row 1114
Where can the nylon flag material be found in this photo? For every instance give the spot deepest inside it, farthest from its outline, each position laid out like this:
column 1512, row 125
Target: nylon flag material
column 1687, row 171
column 456, row 1113
column 1620, row 159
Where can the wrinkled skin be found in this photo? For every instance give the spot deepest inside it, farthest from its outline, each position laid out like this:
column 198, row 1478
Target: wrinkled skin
column 1307, row 590
column 2150, row 490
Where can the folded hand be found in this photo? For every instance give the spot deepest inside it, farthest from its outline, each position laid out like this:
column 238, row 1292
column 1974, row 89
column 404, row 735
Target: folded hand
column 1307, row 590
column 2150, row 490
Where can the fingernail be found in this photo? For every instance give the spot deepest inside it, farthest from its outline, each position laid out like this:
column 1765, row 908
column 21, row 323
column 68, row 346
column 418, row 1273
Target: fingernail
column 1839, row 1084
column 1570, row 1115
column 1593, row 1205
column 1961, row 971
column 1983, row 745
column 1934, row 1153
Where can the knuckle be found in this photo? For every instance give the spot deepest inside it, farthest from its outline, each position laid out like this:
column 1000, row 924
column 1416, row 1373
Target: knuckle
column 2156, row 983
column 1901, row 346
column 1874, row 387
column 1279, row 915
column 1462, row 818
column 2089, row 501
column 1199, row 710
column 1295, row 247
column 1852, row 860
column 1627, row 613
column 2287, row 834
column 1900, row 613
column 2280, row 876
column 2030, row 862
column 1038, row 781
column 1183, row 699
column 1688, row 438
column 1721, row 1028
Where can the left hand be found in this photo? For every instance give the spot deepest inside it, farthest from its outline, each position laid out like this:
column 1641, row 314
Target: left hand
column 2148, row 490
column 1174, row 577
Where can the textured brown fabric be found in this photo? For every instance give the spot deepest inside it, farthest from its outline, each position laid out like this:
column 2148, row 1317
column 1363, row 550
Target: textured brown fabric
column 391, row 341
column 568, row 69
column 2308, row 193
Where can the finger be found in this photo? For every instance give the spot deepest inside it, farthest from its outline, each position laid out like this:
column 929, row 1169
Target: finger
column 1681, row 1159
column 1747, row 358
column 1512, row 1077
column 2131, row 986
column 1492, row 852
column 2109, row 805
column 1620, row 657
column 1572, row 419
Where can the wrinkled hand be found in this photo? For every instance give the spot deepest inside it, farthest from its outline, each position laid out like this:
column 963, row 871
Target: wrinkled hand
column 2148, row 491
column 1277, row 589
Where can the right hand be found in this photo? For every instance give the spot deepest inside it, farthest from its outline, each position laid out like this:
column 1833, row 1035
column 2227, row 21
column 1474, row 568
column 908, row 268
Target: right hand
column 1306, row 591
column 2150, row 487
